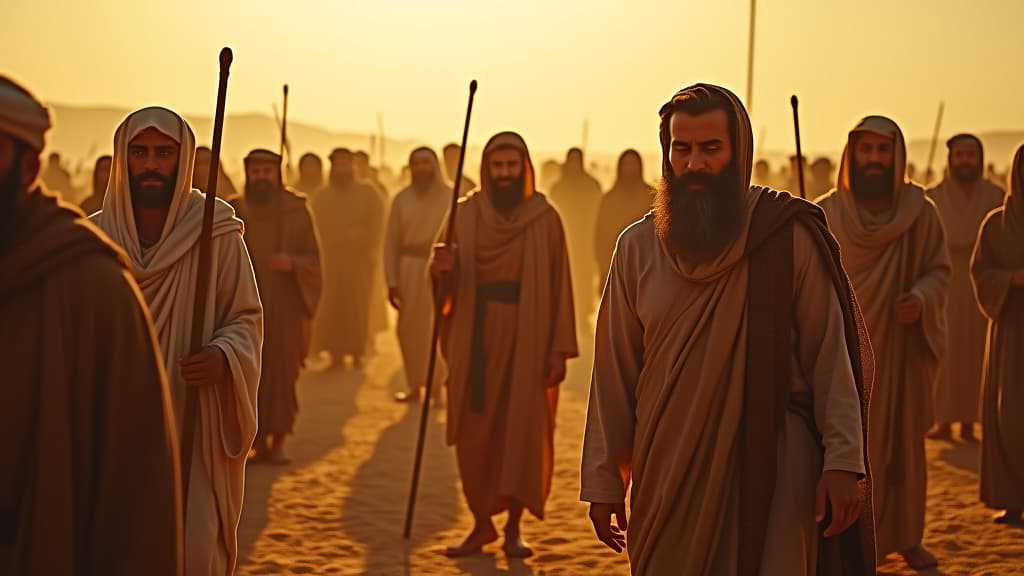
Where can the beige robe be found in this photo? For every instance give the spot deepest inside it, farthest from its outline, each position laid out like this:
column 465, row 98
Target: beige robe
column 999, row 254
column 350, row 221
column 505, row 447
column 166, row 272
column 86, row 428
column 958, row 387
column 577, row 199
column 413, row 222
column 886, row 255
column 289, row 299
column 648, row 422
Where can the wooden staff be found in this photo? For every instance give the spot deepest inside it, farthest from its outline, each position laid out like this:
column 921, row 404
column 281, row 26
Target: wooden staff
column 799, row 151
column 935, row 141
column 284, row 135
column 203, row 274
column 440, row 297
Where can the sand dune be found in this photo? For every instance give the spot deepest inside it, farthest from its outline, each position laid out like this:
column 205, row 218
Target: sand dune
column 339, row 508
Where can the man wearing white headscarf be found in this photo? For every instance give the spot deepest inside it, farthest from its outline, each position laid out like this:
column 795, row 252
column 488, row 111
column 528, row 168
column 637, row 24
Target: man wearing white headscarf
column 90, row 480
column 894, row 248
column 152, row 212
column 415, row 217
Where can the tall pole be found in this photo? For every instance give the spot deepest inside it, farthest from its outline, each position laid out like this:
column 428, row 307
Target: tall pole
column 750, row 59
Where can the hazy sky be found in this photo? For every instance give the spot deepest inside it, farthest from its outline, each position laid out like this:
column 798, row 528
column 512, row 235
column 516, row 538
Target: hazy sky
column 543, row 65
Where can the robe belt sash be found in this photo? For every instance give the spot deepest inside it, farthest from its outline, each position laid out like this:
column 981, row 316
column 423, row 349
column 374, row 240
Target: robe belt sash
column 507, row 292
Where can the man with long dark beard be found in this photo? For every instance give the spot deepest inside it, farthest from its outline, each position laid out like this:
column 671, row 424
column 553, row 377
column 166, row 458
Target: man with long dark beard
column 90, row 481
column 284, row 247
column 152, row 212
column 895, row 251
column 508, row 336
column 963, row 199
column 731, row 372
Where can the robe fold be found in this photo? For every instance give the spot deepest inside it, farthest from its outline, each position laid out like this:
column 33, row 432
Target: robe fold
column 413, row 222
column 998, row 255
column 166, row 272
column 885, row 255
column 350, row 220
column 505, row 444
column 90, row 482
column 289, row 299
column 958, row 386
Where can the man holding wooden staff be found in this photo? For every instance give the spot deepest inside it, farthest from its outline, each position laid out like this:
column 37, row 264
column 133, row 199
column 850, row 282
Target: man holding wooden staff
column 507, row 338
column 153, row 213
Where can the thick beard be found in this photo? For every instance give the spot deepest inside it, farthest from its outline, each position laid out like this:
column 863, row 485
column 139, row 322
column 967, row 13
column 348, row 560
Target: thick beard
column 698, row 225
column 506, row 193
column 872, row 188
column 150, row 197
column 966, row 174
column 10, row 191
column 260, row 192
column 423, row 181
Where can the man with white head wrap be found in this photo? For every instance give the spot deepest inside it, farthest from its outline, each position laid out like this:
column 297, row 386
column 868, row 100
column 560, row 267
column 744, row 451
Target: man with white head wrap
column 415, row 217
column 152, row 211
column 894, row 248
column 90, row 477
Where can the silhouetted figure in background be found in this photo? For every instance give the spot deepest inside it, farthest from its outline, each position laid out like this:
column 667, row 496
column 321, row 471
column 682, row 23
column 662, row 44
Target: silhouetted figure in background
column 577, row 196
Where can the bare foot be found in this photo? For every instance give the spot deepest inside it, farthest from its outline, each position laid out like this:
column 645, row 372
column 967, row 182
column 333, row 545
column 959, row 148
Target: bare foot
column 919, row 558
column 1010, row 518
column 515, row 547
column 477, row 539
column 942, row 432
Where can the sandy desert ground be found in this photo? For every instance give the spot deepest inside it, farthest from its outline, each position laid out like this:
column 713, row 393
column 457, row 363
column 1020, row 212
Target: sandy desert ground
column 339, row 507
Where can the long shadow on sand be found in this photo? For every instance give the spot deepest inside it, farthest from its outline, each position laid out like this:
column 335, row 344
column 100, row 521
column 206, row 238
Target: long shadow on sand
column 378, row 523
column 963, row 456
column 326, row 404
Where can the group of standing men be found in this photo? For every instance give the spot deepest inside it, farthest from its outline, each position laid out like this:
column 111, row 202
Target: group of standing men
column 739, row 359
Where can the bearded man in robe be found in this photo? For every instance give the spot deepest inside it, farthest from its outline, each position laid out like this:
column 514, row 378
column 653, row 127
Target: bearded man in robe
column 90, row 481
column 378, row 303
column 731, row 372
column 413, row 222
column 100, row 178
column 284, row 247
column 350, row 217
column 627, row 201
column 577, row 196
column 451, row 168
column 997, row 273
column 963, row 199
column 895, row 250
column 508, row 334
column 154, row 215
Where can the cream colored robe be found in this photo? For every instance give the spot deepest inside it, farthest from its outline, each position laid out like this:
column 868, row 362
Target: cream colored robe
column 654, row 431
column 413, row 223
column 999, row 254
column 506, row 449
column 958, row 387
column 166, row 273
column 885, row 255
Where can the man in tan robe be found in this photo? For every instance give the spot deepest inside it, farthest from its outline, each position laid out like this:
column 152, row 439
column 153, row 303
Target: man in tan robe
column 577, row 195
column 627, row 201
column 895, row 251
column 311, row 175
column 90, row 480
column 508, row 334
column 201, row 175
column 413, row 222
column 731, row 372
column 997, row 272
column 153, row 213
column 284, row 247
column 963, row 199
column 100, row 178
column 378, row 301
column 349, row 215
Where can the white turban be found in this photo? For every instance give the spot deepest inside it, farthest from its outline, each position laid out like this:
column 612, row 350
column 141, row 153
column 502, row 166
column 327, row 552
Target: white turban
column 21, row 115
